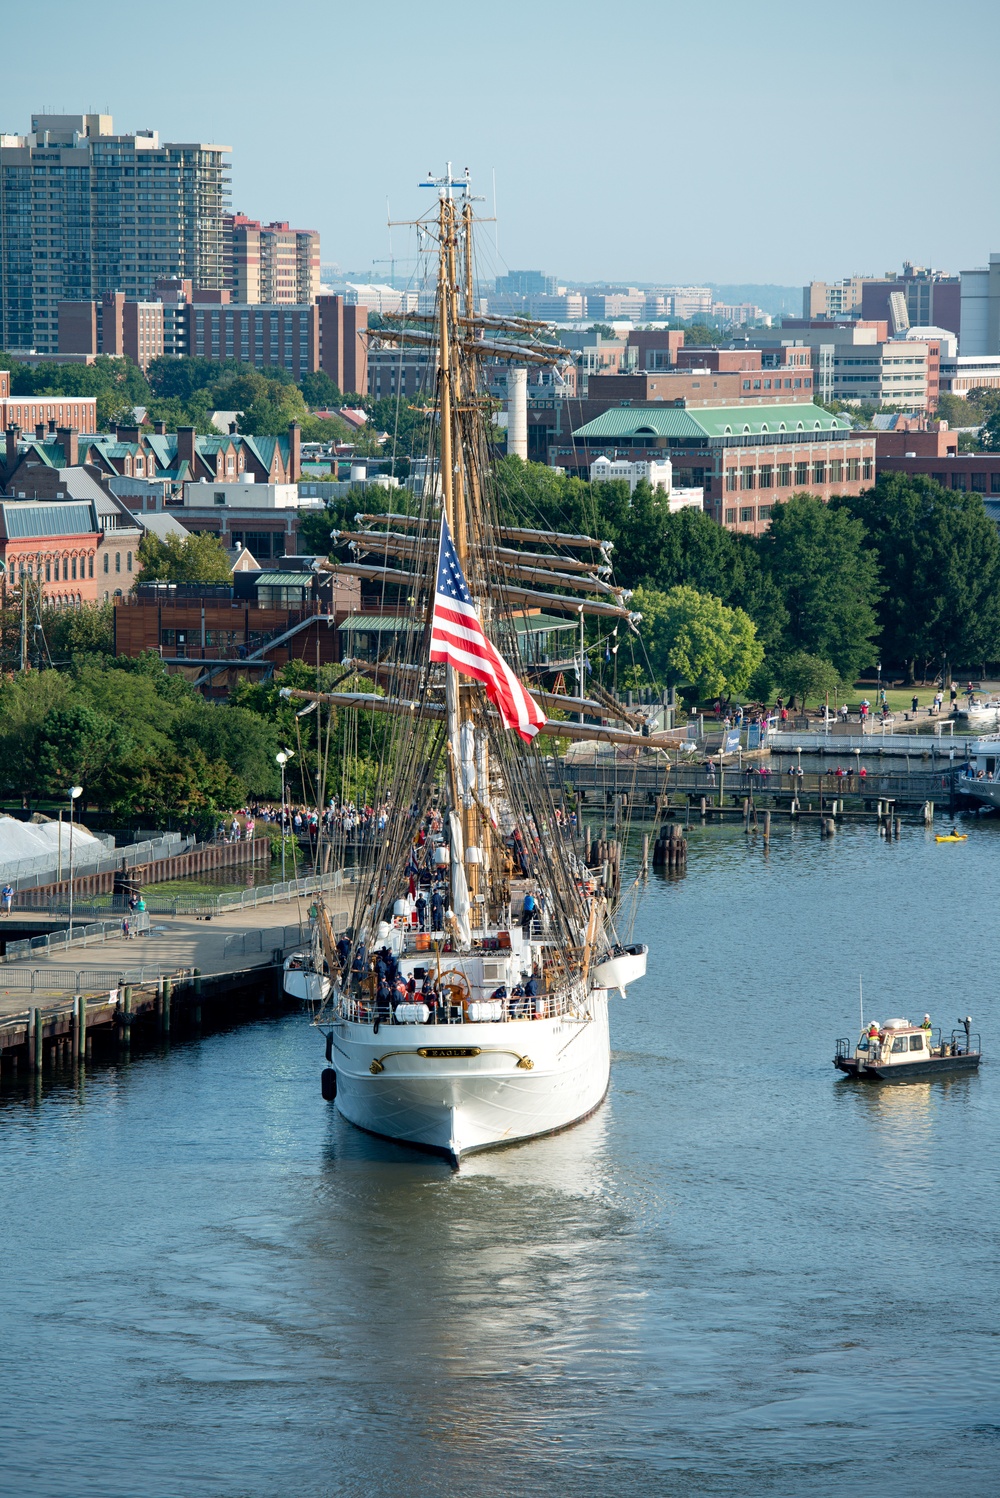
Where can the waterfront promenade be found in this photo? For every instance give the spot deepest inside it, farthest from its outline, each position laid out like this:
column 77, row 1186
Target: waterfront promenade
column 234, row 942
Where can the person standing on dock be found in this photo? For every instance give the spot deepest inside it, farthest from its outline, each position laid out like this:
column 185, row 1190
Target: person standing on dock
column 7, row 897
column 916, row 703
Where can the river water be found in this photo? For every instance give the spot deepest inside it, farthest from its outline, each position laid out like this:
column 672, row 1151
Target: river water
column 743, row 1275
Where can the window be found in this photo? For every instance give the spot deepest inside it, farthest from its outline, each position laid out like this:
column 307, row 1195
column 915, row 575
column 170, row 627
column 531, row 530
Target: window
column 766, row 478
column 128, row 562
column 220, row 499
column 107, row 561
column 48, row 570
column 746, row 384
column 979, row 483
column 730, row 517
column 867, row 467
column 756, row 384
column 899, row 1044
column 74, row 566
column 784, row 475
column 746, row 513
column 916, row 1042
column 90, row 565
column 767, row 384
column 764, row 512
column 958, row 481
column 118, row 562
column 731, row 479
column 798, row 384
column 65, row 569
column 801, row 473
column 748, row 478
column 853, row 467
column 994, row 483
column 836, row 471
column 819, row 473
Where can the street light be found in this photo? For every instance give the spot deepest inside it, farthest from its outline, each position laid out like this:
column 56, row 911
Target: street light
column 74, row 792
column 282, row 757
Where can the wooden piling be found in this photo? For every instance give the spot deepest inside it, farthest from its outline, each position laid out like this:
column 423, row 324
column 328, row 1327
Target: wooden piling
column 767, row 828
column 645, row 852
column 35, row 1043
column 79, row 1027
column 168, row 989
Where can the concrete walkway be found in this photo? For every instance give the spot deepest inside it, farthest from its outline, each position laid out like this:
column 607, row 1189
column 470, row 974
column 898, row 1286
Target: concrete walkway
column 235, row 941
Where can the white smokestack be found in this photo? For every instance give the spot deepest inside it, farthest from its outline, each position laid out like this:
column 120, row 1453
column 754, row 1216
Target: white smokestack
column 517, row 412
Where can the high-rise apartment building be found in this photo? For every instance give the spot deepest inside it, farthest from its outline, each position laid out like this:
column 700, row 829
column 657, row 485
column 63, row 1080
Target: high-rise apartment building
column 85, row 212
column 270, row 262
column 526, row 283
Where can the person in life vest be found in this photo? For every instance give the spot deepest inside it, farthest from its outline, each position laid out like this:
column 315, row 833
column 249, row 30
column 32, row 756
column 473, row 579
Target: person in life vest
column 925, row 1023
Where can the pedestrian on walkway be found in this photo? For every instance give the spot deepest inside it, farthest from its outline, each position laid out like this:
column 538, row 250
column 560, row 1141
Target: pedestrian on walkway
column 7, row 897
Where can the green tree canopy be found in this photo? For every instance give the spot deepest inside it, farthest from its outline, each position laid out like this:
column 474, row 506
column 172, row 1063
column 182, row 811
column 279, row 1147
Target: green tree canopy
column 86, row 631
column 808, row 676
column 318, row 390
column 199, row 559
column 827, row 576
column 939, row 555
column 696, row 643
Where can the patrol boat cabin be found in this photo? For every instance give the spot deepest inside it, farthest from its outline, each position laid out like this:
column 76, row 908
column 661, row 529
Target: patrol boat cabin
column 900, row 1052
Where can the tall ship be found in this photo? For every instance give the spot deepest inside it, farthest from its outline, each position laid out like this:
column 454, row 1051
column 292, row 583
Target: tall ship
column 464, row 991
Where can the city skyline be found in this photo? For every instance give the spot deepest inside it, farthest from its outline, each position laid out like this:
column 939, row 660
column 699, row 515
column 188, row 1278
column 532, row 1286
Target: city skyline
column 702, row 161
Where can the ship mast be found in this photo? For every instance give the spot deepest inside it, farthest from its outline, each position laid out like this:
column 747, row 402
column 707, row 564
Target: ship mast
column 458, row 694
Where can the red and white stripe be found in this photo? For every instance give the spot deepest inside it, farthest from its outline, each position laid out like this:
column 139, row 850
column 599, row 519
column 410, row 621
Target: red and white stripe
column 457, row 639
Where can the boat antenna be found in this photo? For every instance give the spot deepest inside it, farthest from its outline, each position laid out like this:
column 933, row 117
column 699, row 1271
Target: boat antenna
column 861, row 999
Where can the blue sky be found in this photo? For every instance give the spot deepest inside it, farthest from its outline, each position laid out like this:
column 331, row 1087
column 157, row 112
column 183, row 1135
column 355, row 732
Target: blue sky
column 766, row 141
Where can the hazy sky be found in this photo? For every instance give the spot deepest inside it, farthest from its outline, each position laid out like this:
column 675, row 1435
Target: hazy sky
column 647, row 140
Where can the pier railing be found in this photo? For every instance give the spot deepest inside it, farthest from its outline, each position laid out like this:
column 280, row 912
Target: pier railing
column 615, row 779
column 201, row 904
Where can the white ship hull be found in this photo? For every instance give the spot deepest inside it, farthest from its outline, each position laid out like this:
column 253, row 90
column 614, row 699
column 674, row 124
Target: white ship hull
column 458, row 1104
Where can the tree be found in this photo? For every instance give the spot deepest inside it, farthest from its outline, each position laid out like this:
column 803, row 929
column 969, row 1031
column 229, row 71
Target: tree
column 26, row 701
column 237, row 737
column 696, row 643
column 808, row 676
column 78, row 743
column 88, row 630
column 601, row 330
column 199, row 559
column 828, row 580
column 319, row 390
column 939, row 555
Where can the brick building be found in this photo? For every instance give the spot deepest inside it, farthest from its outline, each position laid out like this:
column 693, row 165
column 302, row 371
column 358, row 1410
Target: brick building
column 29, row 412
column 270, row 262
column 343, row 343
column 54, row 543
column 746, row 458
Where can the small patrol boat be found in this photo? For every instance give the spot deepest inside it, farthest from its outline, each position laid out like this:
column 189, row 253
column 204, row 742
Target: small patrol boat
column 900, row 1052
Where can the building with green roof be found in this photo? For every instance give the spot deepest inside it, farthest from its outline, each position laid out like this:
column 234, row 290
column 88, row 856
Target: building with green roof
column 745, row 458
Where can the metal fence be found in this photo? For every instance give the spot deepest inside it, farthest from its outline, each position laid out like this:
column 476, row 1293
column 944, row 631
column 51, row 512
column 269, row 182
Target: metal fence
column 244, row 943
column 623, row 779
column 245, row 899
column 77, row 980
column 24, row 873
column 83, row 936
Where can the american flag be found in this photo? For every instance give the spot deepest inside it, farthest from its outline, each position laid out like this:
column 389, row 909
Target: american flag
column 457, row 639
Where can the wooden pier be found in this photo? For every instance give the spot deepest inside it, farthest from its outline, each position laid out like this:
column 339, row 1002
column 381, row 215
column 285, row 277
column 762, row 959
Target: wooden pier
column 187, row 972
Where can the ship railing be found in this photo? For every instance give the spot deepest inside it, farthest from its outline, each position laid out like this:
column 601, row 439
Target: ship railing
column 514, row 1007
column 965, row 1043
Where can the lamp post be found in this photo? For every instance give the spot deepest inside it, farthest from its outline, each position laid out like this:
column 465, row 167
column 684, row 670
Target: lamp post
column 74, row 792
column 282, row 757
